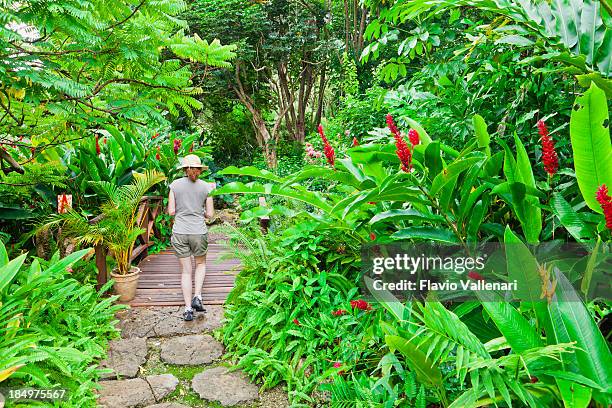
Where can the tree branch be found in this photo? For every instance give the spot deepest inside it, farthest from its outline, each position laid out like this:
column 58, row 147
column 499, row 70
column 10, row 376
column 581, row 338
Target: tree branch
column 12, row 163
column 118, row 23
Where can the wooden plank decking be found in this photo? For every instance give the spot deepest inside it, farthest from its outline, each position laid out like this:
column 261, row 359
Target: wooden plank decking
column 160, row 279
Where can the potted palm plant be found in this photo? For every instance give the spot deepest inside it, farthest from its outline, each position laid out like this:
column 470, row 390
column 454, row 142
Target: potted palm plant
column 116, row 227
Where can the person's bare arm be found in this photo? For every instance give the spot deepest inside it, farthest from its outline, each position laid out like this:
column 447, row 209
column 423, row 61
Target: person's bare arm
column 210, row 208
column 171, row 203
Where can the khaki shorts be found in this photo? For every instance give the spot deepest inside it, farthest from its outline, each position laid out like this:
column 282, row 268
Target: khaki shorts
column 185, row 245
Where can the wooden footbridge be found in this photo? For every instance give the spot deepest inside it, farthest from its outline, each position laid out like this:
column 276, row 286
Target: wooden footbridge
column 160, row 277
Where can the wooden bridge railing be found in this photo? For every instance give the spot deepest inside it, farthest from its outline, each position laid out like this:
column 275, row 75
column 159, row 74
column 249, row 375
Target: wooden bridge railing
column 148, row 209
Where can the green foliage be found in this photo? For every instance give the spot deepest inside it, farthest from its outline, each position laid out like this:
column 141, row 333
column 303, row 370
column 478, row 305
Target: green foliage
column 85, row 64
column 450, row 196
column 116, row 227
column 575, row 33
column 280, row 324
column 35, row 187
column 54, row 329
column 350, row 83
column 590, row 133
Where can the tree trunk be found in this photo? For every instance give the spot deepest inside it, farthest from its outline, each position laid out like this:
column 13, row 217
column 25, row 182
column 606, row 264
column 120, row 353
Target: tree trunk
column 283, row 79
column 303, row 96
column 359, row 35
column 321, row 97
column 262, row 135
column 346, row 25
column 43, row 244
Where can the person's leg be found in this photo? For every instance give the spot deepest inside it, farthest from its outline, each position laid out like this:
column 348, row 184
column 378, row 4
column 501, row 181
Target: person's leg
column 199, row 252
column 180, row 244
column 186, row 280
column 200, row 273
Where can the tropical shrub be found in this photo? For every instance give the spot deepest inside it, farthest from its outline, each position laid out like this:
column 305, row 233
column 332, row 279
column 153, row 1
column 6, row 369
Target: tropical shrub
column 392, row 189
column 292, row 316
column 116, row 227
column 54, row 329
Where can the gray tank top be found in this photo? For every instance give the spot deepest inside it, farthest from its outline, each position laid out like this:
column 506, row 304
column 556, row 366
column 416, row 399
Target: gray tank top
column 190, row 201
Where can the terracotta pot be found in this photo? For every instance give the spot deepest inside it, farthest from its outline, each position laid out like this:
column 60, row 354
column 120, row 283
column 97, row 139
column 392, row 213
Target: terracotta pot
column 125, row 285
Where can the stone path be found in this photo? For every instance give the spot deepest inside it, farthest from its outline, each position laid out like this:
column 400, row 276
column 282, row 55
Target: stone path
column 162, row 361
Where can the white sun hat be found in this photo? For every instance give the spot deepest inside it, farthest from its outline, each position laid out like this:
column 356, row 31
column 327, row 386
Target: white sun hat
column 191, row 160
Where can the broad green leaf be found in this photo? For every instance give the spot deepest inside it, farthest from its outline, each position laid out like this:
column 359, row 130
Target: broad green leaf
column 408, row 214
column 604, row 84
column 325, row 173
column 588, row 274
column 476, row 218
column 566, row 22
column 426, row 370
column 423, row 135
column 523, row 165
column 451, row 172
column 251, row 171
column 570, row 219
column 348, row 164
column 3, row 255
column 514, row 39
column 518, row 172
column 389, row 302
column 432, row 159
column 8, row 271
column 511, row 323
column 308, row 197
column 592, row 353
column 591, row 29
column 573, row 377
column 590, row 135
column 603, row 59
column 508, row 188
column 574, row 395
column 482, row 135
column 522, row 267
column 426, row 233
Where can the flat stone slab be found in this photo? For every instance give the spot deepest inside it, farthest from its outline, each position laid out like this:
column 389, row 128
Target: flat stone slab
column 125, row 393
column 166, row 321
column 229, row 389
column 162, row 385
column 168, row 405
column 191, row 350
column 125, row 357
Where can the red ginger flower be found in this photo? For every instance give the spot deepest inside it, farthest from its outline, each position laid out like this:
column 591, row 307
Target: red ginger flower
column 339, row 312
column 549, row 155
column 157, row 156
column 296, row 322
column 372, row 236
column 403, row 152
column 475, row 275
column 604, row 199
column 355, row 142
column 328, row 150
column 413, row 135
column 177, row 145
column 154, row 136
column 97, row 145
column 360, row 304
column 337, row 364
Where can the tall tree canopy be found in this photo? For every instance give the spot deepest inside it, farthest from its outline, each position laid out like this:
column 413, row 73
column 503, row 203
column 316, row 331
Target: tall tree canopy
column 70, row 66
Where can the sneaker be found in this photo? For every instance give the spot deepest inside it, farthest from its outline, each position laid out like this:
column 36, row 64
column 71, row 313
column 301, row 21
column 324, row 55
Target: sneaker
column 188, row 315
column 197, row 305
